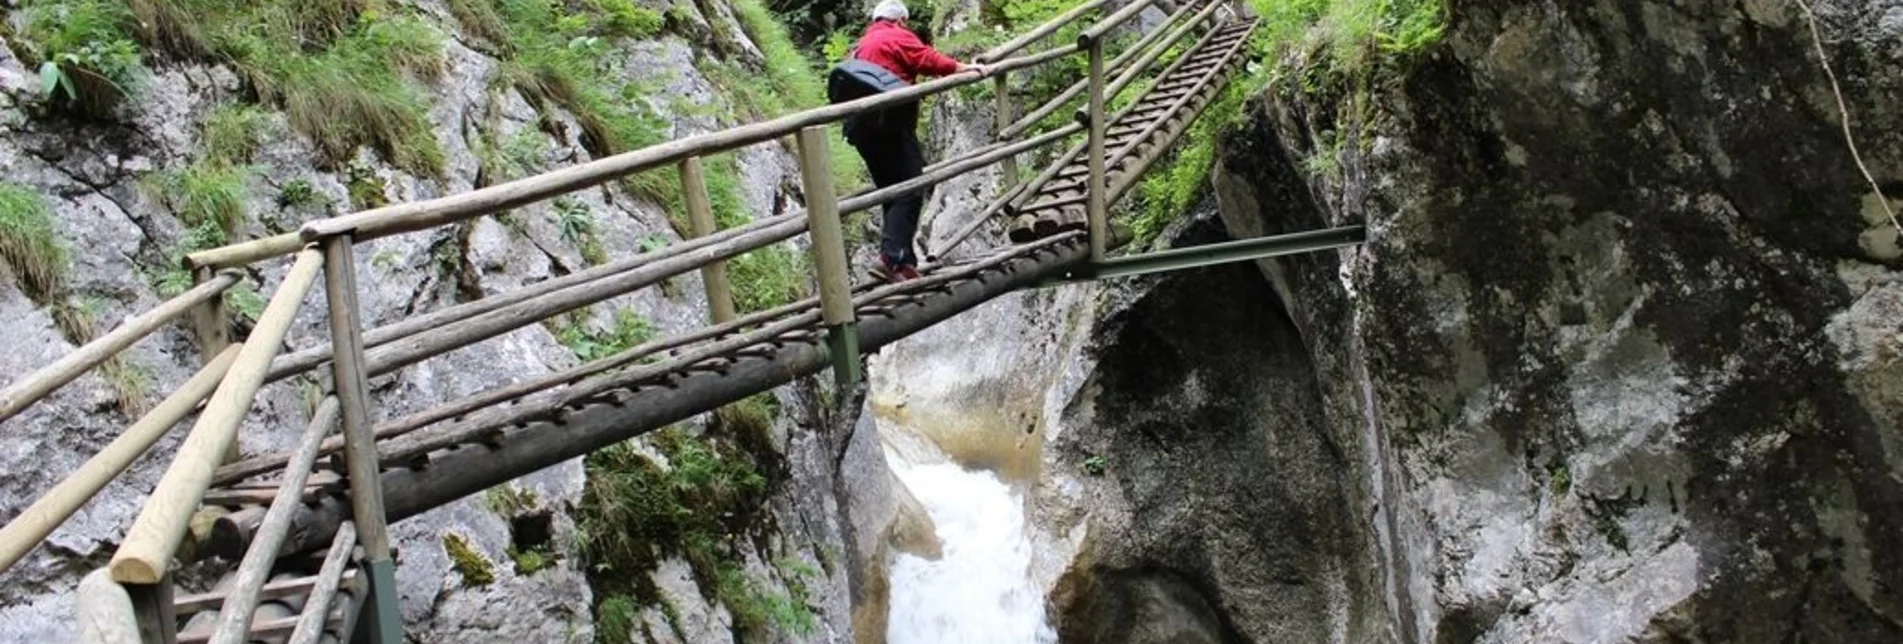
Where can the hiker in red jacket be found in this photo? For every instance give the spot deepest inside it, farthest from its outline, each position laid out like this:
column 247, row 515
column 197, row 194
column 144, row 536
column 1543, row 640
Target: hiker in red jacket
column 891, row 149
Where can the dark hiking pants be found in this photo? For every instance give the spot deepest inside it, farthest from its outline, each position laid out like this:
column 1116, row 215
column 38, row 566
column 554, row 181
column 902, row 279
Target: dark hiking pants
column 892, row 159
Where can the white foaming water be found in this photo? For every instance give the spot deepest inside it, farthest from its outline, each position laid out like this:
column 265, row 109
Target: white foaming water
column 980, row 590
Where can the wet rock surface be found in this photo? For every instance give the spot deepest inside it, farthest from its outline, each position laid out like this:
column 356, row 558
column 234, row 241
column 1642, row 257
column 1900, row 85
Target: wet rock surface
column 1618, row 335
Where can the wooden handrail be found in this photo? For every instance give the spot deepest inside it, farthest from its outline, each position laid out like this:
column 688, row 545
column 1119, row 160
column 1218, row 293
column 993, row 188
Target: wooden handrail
column 26, row 391
column 155, row 535
column 1121, row 63
column 1097, row 31
column 46, row 514
column 414, row 216
column 1050, row 26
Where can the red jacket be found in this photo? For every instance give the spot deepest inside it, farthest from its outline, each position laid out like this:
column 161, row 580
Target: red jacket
column 889, row 45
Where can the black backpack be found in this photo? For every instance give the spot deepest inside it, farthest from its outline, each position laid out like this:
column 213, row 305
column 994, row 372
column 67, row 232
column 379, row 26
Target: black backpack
column 854, row 79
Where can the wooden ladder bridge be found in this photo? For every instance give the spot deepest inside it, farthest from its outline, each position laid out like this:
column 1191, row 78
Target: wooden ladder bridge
column 311, row 541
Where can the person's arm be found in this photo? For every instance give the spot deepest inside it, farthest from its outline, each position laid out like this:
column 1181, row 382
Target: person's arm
column 923, row 59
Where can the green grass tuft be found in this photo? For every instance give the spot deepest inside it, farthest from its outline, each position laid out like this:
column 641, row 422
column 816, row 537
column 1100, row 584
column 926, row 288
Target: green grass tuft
column 616, row 618
column 205, row 194
column 630, row 330
column 769, row 277
column 232, row 133
column 29, row 244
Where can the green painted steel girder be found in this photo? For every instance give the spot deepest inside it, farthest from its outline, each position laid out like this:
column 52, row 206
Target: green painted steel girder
column 1241, row 250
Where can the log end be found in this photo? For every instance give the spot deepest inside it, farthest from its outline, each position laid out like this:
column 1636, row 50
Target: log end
column 129, row 569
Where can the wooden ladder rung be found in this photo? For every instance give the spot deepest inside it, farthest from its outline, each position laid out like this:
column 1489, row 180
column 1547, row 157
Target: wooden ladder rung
column 278, row 589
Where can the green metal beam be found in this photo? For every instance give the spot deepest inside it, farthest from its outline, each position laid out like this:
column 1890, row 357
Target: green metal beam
column 1177, row 259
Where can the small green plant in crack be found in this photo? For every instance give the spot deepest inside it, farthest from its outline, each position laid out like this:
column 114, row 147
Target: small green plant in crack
column 510, row 500
column 1562, row 479
column 300, row 192
column 245, row 301
column 1608, row 515
column 1095, row 465
column 366, row 188
column 386, row 259
column 630, row 329
column 577, row 224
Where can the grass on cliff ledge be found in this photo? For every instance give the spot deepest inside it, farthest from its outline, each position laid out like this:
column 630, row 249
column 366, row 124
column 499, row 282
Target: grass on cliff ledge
column 348, row 73
column 712, row 490
column 1314, row 42
column 29, row 245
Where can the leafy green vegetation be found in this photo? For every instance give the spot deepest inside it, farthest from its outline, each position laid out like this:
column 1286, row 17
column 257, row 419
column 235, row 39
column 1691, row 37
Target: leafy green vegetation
column 562, row 56
column 630, row 330
column 633, row 509
column 577, row 223
column 232, row 133
column 616, row 617
column 347, row 74
column 205, row 194
column 760, row 611
column 767, row 278
column 29, row 245
column 1351, row 40
column 1095, row 465
column 84, row 50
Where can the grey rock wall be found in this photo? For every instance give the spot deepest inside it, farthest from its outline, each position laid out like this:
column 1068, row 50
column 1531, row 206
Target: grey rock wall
column 1621, row 339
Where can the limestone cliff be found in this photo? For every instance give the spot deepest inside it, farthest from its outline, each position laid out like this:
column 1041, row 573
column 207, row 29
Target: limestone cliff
column 1622, row 339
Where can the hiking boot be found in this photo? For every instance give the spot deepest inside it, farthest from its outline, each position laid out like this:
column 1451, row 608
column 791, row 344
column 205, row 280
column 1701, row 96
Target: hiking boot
column 889, row 273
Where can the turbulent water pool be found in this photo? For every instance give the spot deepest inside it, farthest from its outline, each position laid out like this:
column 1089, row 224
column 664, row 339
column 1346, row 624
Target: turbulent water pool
column 980, row 589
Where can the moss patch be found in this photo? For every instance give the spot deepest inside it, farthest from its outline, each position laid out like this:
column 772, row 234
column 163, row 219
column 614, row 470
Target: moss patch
column 472, row 565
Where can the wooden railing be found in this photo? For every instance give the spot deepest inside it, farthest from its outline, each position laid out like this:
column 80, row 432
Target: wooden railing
column 233, row 374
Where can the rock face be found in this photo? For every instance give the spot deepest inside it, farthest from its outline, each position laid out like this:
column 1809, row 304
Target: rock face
column 1622, row 346
column 121, row 236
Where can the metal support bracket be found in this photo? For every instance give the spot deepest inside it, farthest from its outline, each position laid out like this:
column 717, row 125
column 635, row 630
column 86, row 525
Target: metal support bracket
column 842, row 346
column 1177, row 259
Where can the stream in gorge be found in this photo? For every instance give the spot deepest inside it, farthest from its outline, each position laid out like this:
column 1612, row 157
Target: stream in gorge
column 980, row 589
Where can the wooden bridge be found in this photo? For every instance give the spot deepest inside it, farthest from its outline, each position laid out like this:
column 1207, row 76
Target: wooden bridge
column 282, row 514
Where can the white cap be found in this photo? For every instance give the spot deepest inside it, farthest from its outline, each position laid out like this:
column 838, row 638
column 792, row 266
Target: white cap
column 890, row 10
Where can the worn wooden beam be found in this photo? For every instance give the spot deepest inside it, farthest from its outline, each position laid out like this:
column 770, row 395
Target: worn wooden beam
column 408, row 217
column 46, row 514
column 30, row 389
column 147, row 551
column 700, row 215
column 317, row 606
column 350, row 376
column 1098, row 205
column 234, row 617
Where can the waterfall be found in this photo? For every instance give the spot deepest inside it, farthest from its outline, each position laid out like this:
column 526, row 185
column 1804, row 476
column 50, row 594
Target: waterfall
column 980, row 589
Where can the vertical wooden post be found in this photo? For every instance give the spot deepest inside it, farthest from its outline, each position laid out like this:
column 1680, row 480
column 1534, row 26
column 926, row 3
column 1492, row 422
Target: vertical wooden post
column 1002, row 88
column 1095, row 205
column 700, row 215
column 212, row 323
column 829, row 255
column 152, row 605
column 360, row 447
